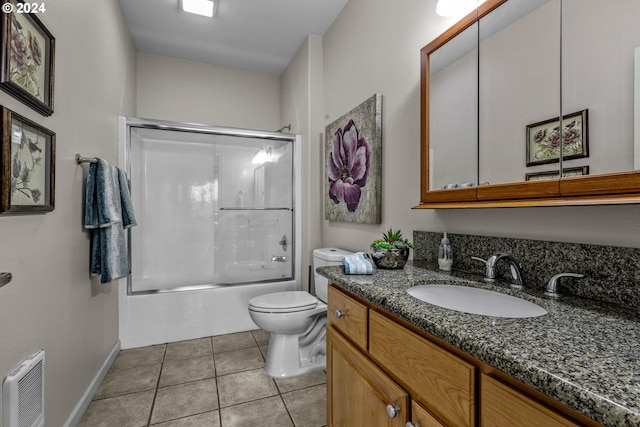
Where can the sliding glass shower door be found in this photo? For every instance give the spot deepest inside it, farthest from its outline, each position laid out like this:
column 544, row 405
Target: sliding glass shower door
column 212, row 209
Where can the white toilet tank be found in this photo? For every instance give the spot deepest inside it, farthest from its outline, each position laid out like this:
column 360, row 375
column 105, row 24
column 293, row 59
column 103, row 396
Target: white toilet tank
column 322, row 257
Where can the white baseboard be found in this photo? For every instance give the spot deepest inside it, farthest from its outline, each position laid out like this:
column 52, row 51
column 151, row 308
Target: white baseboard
column 87, row 397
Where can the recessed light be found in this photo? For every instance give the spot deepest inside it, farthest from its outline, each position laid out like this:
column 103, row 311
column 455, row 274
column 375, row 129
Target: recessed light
column 200, row 7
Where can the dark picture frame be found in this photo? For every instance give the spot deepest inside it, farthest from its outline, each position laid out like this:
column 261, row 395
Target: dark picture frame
column 566, row 172
column 27, row 162
column 544, row 139
column 28, row 56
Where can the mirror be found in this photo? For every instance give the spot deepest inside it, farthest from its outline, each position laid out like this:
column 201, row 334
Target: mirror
column 598, row 75
column 453, row 112
column 519, row 73
column 534, row 60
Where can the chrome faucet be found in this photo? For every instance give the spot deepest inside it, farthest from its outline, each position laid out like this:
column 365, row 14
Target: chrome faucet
column 514, row 267
column 552, row 286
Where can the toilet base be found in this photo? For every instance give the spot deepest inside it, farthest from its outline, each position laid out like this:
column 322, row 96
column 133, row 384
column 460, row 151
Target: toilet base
column 291, row 355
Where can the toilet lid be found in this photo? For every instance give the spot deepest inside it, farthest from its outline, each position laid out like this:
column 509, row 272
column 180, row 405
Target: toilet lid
column 283, row 302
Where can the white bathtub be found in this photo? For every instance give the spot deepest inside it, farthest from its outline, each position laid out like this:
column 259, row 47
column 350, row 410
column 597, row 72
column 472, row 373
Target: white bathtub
column 176, row 316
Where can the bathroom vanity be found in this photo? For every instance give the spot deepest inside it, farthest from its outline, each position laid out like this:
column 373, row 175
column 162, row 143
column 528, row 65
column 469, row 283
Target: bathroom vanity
column 393, row 360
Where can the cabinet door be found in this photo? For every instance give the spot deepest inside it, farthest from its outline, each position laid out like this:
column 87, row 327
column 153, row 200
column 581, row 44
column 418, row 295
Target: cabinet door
column 420, row 417
column 442, row 382
column 502, row 405
column 358, row 392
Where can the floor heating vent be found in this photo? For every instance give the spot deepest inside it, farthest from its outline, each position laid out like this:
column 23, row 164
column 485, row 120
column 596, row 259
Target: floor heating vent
column 23, row 394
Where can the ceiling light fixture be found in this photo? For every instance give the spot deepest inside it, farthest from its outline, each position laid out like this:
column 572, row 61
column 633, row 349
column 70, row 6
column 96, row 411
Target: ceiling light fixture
column 201, row 7
column 456, row 8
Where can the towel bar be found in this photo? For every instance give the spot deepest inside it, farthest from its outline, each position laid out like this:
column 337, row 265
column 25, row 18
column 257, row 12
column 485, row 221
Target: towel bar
column 5, row 278
column 80, row 160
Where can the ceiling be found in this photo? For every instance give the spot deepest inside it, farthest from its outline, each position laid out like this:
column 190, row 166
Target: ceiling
column 258, row 35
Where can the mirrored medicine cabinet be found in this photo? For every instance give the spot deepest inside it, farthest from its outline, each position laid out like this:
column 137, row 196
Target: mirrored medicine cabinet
column 531, row 103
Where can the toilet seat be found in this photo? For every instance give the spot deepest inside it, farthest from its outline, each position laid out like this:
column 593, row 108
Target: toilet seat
column 283, row 302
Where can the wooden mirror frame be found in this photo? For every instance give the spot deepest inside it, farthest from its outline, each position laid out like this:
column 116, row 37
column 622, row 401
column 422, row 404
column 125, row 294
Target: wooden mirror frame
column 603, row 189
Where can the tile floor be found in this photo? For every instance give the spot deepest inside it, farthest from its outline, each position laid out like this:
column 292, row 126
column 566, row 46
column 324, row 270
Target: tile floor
column 217, row 381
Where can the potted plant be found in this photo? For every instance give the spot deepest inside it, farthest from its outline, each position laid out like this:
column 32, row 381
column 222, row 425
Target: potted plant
column 392, row 251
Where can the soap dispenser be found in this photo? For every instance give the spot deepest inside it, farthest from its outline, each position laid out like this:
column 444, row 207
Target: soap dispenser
column 445, row 254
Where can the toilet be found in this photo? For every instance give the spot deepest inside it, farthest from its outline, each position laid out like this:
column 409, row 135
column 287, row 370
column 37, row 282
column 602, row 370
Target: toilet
column 297, row 322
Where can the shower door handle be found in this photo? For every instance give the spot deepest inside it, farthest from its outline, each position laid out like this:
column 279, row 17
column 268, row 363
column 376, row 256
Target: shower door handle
column 284, row 242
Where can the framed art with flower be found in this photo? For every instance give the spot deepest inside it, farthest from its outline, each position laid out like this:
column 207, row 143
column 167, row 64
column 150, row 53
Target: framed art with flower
column 28, row 51
column 544, row 139
column 353, row 169
column 27, row 161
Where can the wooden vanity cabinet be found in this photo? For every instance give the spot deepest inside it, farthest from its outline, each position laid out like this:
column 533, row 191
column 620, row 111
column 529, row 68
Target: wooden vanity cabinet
column 376, row 363
column 363, row 390
column 502, row 405
column 439, row 380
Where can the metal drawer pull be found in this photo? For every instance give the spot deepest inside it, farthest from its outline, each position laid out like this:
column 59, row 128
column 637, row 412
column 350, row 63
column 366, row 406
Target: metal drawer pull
column 339, row 314
column 410, row 424
column 393, row 410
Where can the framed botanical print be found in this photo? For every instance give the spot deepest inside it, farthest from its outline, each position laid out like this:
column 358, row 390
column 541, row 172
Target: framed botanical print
column 27, row 165
column 545, row 139
column 28, row 51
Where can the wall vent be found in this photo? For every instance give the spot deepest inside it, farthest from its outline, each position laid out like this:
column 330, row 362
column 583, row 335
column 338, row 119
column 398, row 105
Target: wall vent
column 23, row 394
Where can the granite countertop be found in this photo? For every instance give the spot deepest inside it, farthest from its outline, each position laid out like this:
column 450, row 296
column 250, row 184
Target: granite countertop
column 583, row 353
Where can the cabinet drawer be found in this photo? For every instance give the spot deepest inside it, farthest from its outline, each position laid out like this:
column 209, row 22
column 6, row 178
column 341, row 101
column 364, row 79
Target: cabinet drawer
column 348, row 316
column 421, row 417
column 502, row 405
column 442, row 382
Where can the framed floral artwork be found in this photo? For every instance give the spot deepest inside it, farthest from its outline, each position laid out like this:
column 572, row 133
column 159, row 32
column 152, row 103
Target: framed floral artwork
column 566, row 172
column 544, row 139
column 353, row 168
column 28, row 51
column 27, row 159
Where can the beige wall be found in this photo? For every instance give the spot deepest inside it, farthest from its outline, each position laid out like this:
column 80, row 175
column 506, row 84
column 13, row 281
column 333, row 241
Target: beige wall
column 301, row 95
column 382, row 56
column 52, row 304
column 195, row 92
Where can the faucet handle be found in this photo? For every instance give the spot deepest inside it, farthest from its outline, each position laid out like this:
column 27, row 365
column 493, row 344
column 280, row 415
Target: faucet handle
column 489, row 274
column 552, row 286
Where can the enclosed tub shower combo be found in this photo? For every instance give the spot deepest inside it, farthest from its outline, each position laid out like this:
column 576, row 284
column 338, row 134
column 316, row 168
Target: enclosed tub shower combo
column 217, row 225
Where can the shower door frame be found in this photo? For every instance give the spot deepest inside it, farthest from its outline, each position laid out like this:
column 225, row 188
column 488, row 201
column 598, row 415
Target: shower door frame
column 125, row 126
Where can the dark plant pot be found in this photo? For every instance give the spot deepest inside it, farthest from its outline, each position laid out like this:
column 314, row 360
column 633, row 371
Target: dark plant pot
column 389, row 258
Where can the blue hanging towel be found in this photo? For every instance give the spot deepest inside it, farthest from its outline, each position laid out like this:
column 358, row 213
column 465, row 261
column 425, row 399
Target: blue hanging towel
column 108, row 212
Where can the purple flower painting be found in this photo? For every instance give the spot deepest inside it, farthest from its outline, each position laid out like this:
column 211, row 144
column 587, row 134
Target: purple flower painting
column 348, row 166
column 353, row 164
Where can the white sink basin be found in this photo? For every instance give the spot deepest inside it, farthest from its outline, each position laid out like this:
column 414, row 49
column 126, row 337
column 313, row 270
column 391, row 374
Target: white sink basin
column 476, row 301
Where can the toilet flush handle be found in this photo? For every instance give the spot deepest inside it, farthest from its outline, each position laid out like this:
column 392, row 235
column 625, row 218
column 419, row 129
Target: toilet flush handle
column 339, row 314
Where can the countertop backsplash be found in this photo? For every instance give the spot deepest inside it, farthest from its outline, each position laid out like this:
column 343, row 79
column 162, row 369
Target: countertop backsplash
column 612, row 274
